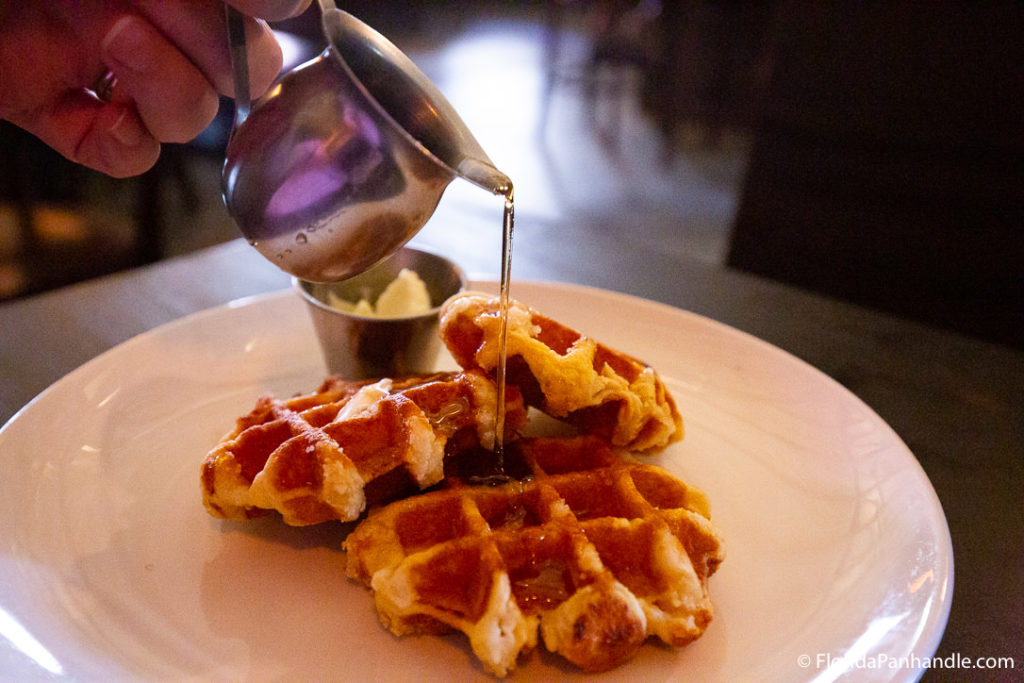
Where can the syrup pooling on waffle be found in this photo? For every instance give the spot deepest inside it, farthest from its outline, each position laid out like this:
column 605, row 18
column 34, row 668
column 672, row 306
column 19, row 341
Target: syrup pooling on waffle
column 327, row 455
column 593, row 551
column 564, row 373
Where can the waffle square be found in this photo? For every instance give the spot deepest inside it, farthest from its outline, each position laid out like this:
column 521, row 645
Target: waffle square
column 328, row 455
column 564, row 373
column 590, row 550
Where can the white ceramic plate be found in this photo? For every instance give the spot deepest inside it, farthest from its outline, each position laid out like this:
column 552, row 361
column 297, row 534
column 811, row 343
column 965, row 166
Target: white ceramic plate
column 838, row 561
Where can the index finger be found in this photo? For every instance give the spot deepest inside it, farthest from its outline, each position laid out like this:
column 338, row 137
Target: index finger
column 271, row 10
column 199, row 31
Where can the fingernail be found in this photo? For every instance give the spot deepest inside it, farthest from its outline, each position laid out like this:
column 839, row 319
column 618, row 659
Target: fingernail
column 125, row 45
column 126, row 130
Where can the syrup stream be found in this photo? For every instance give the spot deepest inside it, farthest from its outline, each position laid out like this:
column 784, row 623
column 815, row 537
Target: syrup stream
column 506, row 274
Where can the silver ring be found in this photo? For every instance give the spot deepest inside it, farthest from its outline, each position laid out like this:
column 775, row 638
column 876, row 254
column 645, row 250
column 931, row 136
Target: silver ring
column 103, row 88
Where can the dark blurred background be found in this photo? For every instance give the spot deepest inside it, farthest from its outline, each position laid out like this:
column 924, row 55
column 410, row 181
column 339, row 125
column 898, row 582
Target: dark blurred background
column 870, row 152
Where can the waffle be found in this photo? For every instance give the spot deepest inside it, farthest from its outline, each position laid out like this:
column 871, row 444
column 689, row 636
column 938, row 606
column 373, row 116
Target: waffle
column 592, row 550
column 330, row 454
column 564, row 373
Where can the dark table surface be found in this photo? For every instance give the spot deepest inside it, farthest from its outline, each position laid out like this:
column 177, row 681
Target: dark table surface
column 957, row 403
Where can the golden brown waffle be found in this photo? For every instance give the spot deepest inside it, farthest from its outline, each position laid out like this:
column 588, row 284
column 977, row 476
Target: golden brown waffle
column 564, row 373
column 330, row 454
column 594, row 550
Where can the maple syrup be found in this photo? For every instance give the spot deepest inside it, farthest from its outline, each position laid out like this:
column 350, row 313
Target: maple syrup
column 508, row 223
column 481, row 467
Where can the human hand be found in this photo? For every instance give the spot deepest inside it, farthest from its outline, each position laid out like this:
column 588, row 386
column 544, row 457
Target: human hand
column 170, row 59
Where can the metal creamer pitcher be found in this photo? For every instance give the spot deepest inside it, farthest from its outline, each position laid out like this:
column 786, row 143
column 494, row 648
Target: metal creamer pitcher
column 346, row 157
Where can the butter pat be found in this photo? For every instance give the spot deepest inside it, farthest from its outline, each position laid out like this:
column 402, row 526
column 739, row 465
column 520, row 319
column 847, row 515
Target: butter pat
column 404, row 296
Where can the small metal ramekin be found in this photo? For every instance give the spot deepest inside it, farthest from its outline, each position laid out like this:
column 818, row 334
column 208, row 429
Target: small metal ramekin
column 363, row 347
